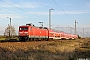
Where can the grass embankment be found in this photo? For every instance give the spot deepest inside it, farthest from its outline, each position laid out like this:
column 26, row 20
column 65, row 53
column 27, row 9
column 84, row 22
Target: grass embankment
column 7, row 39
column 45, row 50
column 2, row 38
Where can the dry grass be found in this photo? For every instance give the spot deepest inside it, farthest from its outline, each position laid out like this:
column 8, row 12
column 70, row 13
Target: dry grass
column 45, row 50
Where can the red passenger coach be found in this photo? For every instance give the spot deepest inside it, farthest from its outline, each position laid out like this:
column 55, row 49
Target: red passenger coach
column 63, row 36
column 30, row 32
column 51, row 34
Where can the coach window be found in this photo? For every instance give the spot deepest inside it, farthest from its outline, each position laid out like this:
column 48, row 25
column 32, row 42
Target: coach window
column 62, row 35
column 58, row 36
column 51, row 33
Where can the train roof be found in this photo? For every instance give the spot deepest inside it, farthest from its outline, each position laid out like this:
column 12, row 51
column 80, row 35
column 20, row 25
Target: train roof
column 27, row 25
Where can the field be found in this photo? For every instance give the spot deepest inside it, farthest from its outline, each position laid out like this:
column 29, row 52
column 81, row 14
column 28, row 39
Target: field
column 45, row 50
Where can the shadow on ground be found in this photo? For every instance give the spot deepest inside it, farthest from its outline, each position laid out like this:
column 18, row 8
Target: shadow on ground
column 12, row 40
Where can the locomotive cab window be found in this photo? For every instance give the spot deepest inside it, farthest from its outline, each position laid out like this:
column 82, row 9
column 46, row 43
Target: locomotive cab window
column 23, row 28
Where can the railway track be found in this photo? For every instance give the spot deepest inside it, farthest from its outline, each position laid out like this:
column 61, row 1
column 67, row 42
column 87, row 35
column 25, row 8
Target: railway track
column 15, row 40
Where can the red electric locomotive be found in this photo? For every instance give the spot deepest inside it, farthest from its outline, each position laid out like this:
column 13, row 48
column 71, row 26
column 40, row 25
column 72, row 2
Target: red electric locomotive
column 30, row 32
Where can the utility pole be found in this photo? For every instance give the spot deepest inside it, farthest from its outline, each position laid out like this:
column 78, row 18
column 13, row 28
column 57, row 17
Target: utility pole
column 9, row 28
column 75, row 28
column 70, row 31
column 50, row 18
column 10, row 20
column 83, row 32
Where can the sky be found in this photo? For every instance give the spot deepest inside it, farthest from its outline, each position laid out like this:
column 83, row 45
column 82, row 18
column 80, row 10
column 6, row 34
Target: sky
column 34, row 11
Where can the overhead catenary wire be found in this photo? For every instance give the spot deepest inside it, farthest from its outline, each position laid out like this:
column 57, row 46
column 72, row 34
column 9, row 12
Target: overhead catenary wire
column 22, row 9
column 25, row 16
column 11, row 12
column 62, row 9
column 15, row 13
